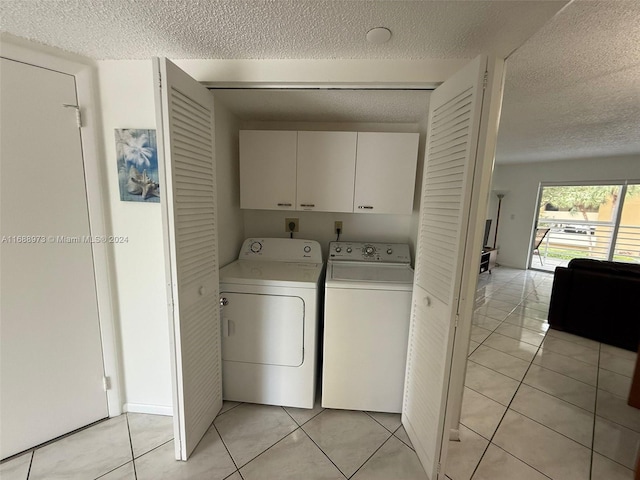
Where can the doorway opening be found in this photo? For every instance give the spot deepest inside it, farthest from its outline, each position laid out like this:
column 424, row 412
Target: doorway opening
column 597, row 221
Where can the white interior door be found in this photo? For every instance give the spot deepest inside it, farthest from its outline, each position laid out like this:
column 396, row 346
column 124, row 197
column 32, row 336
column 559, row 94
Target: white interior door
column 51, row 366
column 184, row 111
column 449, row 207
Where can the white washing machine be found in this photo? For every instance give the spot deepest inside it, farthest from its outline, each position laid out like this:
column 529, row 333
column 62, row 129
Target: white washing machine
column 269, row 317
column 366, row 326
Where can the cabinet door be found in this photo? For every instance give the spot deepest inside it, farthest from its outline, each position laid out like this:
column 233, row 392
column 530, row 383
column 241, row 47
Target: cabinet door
column 268, row 169
column 326, row 171
column 385, row 172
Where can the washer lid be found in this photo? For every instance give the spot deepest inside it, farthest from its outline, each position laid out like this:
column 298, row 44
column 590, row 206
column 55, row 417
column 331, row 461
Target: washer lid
column 368, row 275
column 280, row 274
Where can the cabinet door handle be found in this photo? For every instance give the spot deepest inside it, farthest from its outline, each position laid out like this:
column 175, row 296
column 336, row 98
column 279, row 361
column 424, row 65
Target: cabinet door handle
column 307, row 204
column 365, row 207
column 284, row 204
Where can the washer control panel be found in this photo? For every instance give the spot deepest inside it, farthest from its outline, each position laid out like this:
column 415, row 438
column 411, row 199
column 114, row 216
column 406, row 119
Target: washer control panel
column 369, row 252
column 281, row 250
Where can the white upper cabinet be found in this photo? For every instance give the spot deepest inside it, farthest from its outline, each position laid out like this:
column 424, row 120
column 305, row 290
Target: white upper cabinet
column 268, row 169
column 326, row 171
column 318, row 171
column 385, row 172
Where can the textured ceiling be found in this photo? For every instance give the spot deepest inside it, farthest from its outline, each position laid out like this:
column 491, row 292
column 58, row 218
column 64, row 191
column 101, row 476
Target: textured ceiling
column 259, row 29
column 572, row 88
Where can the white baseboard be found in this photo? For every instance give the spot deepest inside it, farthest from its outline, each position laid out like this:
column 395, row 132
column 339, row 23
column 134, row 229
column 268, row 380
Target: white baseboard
column 454, row 435
column 150, row 409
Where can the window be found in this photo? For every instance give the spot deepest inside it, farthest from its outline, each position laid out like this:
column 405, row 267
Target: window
column 587, row 221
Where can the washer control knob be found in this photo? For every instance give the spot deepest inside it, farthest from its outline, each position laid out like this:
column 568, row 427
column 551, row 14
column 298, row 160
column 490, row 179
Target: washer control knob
column 338, row 249
column 307, row 248
column 369, row 250
column 256, row 247
column 389, row 251
column 349, row 249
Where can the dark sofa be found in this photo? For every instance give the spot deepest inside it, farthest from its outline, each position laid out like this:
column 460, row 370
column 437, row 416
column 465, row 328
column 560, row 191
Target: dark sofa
column 598, row 300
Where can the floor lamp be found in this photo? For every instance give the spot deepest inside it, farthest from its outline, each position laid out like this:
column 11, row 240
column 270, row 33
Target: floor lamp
column 500, row 195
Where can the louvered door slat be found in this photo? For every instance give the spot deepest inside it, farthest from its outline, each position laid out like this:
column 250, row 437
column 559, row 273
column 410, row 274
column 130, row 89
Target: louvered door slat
column 190, row 223
column 454, row 119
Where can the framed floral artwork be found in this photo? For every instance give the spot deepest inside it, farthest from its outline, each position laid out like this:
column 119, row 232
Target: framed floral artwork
column 137, row 156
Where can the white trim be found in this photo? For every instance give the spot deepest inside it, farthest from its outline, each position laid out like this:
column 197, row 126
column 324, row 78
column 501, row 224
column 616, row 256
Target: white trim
column 149, row 409
column 84, row 71
column 287, row 72
column 589, row 183
column 321, row 86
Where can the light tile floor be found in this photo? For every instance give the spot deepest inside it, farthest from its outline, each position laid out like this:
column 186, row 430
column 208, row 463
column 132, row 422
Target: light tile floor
column 540, row 403
column 537, row 405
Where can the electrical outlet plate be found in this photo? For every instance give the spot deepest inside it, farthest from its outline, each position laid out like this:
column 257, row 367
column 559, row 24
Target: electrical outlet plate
column 287, row 221
column 338, row 225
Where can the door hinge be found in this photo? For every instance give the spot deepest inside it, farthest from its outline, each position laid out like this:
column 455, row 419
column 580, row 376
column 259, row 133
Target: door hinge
column 456, row 321
column 106, row 383
column 439, row 467
column 78, row 114
column 485, row 80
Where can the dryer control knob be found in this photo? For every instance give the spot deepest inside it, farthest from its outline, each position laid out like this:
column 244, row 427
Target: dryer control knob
column 369, row 250
column 256, row 247
column 389, row 251
column 307, row 248
column 338, row 249
column 349, row 249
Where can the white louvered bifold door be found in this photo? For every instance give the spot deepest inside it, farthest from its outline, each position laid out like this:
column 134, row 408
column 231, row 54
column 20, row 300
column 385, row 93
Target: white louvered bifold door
column 452, row 141
column 184, row 110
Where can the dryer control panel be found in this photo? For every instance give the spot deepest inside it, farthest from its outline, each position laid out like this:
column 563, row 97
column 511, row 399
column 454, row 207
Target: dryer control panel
column 281, row 250
column 369, row 252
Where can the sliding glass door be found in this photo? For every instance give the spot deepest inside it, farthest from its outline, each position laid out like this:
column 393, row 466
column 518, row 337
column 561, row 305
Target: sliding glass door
column 601, row 222
column 626, row 246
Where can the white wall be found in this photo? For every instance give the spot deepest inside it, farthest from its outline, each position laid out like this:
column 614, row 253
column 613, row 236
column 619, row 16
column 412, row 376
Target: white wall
column 230, row 217
column 320, row 226
column 355, row 72
column 127, row 101
column 522, row 181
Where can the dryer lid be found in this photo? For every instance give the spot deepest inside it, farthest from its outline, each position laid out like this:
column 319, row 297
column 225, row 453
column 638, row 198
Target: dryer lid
column 280, row 274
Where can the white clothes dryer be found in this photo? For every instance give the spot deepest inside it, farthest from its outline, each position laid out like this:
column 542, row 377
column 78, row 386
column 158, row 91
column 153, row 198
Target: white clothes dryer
column 366, row 326
column 269, row 317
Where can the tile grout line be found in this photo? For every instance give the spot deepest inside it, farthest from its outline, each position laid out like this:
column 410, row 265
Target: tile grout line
column 519, row 459
column 370, row 456
column 153, row 449
column 595, row 415
column 394, row 435
column 33, row 454
column 507, row 409
column 522, row 381
column 379, row 423
column 230, row 408
column 314, row 442
column 554, row 396
column 500, row 423
column 213, row 424
column 506, row 353
column 538, row 347
column 133, row 456
column 307, row 421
